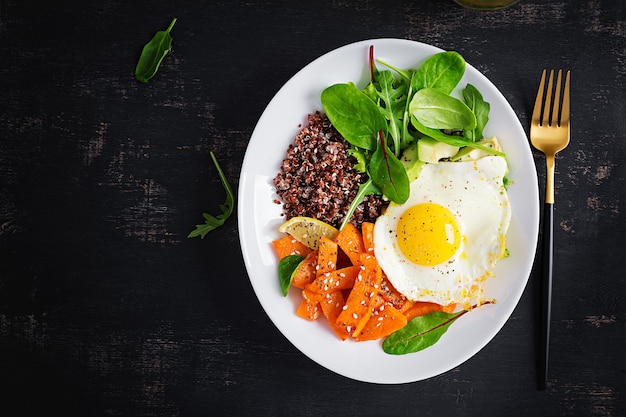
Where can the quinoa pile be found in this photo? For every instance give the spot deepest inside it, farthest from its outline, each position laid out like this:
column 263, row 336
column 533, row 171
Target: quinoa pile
column 317, row 178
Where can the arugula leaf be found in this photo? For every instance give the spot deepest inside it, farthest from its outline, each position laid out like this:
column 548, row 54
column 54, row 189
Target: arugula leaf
column 212, row 222
column 480, row 108
column 394, row 98
column 366, row 188
column 153, row 53
column 286, row 269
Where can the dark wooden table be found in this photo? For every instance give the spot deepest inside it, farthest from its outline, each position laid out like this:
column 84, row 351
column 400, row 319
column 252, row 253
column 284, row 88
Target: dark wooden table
column 108, row 309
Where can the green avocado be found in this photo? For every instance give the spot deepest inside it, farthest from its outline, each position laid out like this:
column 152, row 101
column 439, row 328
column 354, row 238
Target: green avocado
column 411, row 162
column 432, row 151
column 472, row 154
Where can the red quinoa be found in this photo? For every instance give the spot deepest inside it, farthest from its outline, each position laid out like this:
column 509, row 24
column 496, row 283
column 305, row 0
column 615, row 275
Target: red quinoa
column 318, row 179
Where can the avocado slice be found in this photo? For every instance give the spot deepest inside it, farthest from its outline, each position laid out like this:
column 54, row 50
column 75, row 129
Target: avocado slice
column 473, row 154
column 432, row 151
column 411, row 162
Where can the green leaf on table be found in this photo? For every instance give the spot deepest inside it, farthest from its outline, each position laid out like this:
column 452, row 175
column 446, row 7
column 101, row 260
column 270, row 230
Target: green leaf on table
column 153, row 53
column 213, row 222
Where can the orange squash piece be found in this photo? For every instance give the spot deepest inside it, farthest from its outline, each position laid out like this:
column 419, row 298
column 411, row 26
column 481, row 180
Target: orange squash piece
column 309, row 307
column 367, row 230
column 287, row 245
column 326, row 256
column 350, row 241
column 357, row 309
column 306, row 272
column 420, row 308
column 383, row 321
column 339, row 279
column 332, row 305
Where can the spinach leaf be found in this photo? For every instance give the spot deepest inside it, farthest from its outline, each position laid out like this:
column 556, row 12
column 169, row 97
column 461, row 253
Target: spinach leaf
column 213, row 222
column 286, row 269
column 153, row 53
column 480, row 108
column 441, row 71
column 366, row 188
column 420, row 333
column 394, row 99
column 355, row 116
column 450, row 139
column 438, row 110
column 388, row 173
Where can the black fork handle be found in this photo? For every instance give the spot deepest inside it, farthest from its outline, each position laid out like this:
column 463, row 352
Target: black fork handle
column 546, row 293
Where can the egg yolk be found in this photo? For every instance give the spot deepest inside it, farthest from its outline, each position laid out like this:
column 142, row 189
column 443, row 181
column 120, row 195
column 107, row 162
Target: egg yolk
column 428, row 234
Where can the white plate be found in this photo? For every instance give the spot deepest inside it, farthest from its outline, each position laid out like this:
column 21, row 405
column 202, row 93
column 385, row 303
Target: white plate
column 259, row 218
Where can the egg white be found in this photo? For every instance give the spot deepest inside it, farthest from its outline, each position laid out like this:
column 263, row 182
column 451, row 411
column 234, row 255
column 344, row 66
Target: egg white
column 474, row 192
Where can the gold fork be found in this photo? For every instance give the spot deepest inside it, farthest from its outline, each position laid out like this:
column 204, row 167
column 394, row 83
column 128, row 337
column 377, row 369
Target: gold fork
column 549, row 133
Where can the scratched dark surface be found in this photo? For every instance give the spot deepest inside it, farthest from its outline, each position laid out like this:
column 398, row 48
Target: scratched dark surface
column 107, row 309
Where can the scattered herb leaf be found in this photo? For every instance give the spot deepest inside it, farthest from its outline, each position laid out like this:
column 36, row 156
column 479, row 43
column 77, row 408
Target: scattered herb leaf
column 153, row 53
column 212, row 222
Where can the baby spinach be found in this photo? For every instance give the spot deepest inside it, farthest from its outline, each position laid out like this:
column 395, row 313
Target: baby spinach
column 420, row 333
column 480, row 108
column 353, row 114
column 441, row 71
column 459, row 141
column 388, row 173
column 153, row 53
column 423, row 331
column 286, row 268
column 213, row 222
column 438, row 110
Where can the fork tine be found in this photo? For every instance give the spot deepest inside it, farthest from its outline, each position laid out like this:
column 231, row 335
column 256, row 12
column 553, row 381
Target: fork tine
column 546, row 107
column 565, row 108
column 539, row 100
column 557, row 100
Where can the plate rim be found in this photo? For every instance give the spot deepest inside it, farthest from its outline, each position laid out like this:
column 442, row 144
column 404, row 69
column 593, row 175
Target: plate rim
column 243, row 217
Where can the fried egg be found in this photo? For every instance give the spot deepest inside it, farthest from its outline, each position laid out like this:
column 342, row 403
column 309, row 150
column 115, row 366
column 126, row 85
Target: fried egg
column 445, row 240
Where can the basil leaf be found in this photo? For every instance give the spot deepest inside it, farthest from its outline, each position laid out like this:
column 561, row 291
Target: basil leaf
column 420, row 333
column 438, row 110
column 212, row 222
column 388, row 173
column 355, row 116
column 286, row 269
column 441, row 71
column 153, row 53
column 480, row 108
